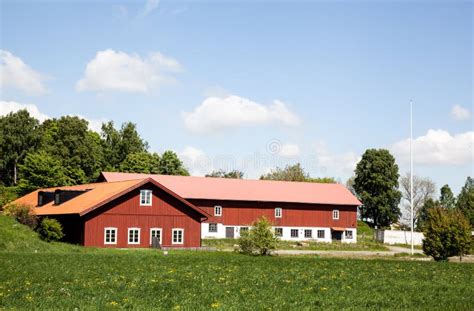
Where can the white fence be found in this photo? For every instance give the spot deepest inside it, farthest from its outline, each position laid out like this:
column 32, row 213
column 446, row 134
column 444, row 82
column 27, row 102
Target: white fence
column 402, row 237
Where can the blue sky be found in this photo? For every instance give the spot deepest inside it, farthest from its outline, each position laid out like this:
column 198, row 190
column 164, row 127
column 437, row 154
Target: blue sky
column 245, row 85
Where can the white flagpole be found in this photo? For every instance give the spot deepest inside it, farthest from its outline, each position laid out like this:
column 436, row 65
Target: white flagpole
column 411, row 174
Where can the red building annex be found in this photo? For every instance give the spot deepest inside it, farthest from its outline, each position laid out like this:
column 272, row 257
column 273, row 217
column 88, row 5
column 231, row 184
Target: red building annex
column 127, row 210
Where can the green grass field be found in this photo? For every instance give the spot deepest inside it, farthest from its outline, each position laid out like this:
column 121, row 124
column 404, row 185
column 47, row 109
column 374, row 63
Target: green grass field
column 59, row 276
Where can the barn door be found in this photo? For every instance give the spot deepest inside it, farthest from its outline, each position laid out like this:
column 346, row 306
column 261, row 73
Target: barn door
column 229, row 232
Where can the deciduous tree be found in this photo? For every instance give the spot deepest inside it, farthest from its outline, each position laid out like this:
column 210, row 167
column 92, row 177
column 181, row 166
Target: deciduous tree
column 223, row 174
column 18, row 136
column 376, row 185
column 423, row 189
column 170, row 164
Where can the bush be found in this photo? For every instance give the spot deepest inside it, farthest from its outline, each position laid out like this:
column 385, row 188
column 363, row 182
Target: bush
column 7, row 194
column 24, row 214
column 259, row 239
column 50, row 230
column 447, row 233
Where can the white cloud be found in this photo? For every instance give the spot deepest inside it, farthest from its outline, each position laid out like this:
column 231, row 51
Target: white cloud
column 14, row 73
column 119, row 71
column 289, row 150
column 10, row 106
column 460, row 113
column 216, row 113
column 150, row 6
column 437, row 147
column 196, row 161
column 331, row 164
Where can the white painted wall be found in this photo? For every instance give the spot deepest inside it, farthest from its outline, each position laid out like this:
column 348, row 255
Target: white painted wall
column 220, row 234
column 402, row 237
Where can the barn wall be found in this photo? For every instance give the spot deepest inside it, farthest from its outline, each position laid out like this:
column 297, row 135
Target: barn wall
column 294, row 214
column 166, row 212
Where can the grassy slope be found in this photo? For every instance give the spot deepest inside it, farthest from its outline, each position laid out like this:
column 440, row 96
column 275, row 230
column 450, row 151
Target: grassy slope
column 62, row 276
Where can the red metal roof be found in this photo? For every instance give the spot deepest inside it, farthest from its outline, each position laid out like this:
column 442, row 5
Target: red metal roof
column 191, row 187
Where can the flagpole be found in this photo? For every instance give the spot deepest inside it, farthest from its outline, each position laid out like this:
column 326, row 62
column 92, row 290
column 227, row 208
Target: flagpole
column 411, row 174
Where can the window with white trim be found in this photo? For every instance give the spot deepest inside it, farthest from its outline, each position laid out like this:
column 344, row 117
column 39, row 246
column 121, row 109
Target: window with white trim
column 321, row 234
column 308, row 233
column 294, row 233
column 244, row 229
column 279, row 232
column 217, row 210
column 177, row 236
column 212, row 227
column 348, row 234
column 145, row 197
column 133, row 235
column 335, row 214
column 278, row 212
column 110, row 235
column 155, row 233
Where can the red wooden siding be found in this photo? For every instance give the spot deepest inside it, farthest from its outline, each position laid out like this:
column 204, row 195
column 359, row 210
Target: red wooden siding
column 166, row 212
column 293, row 214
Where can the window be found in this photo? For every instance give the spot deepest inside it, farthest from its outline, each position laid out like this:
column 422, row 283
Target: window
column 321, row 234
column 217, row 210
column 308, row 233
column 212, row 227
column 279, row 232
column 348, row 234
column 244, row 229
column 294, row 233
column 110, row 235
column 133, row 235
column 178, row 236
column 155, row 232
column 145, row 197
column 278, row 212
column 335, row 214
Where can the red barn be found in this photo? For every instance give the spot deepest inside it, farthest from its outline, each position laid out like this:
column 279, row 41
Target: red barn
column 127, row 210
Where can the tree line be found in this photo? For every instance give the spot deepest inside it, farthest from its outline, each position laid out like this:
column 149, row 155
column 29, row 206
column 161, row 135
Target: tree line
column 64, row 151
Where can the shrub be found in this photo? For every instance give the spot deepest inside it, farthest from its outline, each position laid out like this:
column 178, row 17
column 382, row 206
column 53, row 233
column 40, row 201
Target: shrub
column 24, row 214
column 259, row 239
column 7, row 194
column 50, row 230
column 447, row 233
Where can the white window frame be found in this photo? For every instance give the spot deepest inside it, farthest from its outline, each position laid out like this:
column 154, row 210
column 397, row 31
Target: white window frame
column 297, row 233
column 275, row 230
column 209, row 227
column 161, row 234
column 311, row 233
column 182, row 236
column 324, row 234
column 217, row 208
column 335, row 214
column 144, row 193
column 105, row 235
column 352, row 234
column 128, row 236
column 278, row 212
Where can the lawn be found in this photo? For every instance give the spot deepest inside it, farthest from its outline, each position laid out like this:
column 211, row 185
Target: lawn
column 190, row 280
column 39, row 275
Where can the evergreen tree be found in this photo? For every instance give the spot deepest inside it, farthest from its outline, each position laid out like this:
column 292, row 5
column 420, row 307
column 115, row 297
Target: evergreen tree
column 465, row 201
column 446, row 198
